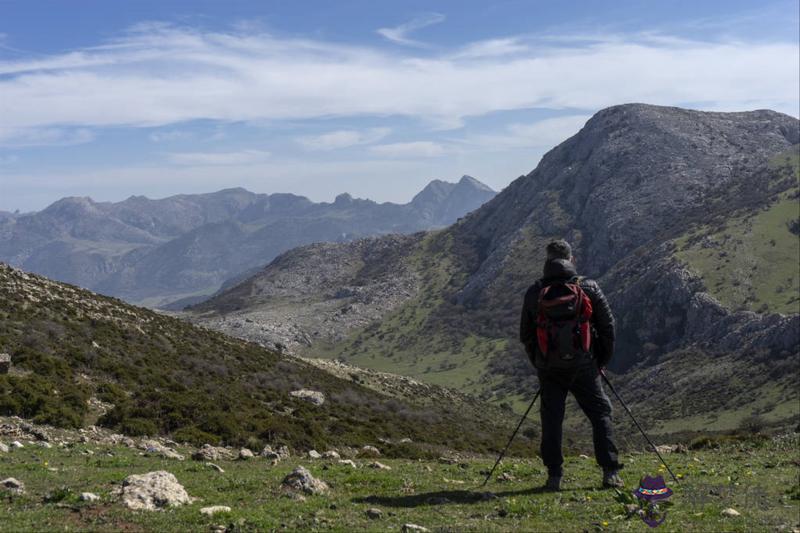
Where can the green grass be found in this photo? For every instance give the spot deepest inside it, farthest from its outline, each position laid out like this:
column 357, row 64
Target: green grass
column 750, row 261
column 757, row 477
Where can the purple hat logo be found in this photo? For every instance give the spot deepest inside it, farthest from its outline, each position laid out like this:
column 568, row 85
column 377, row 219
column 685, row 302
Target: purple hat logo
column 651, row 491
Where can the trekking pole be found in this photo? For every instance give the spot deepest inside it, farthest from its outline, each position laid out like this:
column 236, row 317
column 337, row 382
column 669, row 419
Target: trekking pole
column 503, row 453
column 610, row 386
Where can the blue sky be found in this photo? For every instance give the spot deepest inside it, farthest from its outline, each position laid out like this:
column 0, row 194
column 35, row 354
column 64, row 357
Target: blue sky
column 113, row 98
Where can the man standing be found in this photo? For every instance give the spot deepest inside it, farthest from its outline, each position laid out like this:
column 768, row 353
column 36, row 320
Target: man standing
column 568, row 332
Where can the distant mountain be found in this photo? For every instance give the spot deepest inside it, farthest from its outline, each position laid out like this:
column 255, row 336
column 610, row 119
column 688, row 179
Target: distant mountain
column 687, row 219
column 157, row 251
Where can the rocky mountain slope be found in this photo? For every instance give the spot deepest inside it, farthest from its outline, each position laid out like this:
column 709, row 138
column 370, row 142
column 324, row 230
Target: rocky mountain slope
column 688, row 220
column 158, row 251
column 79, row 358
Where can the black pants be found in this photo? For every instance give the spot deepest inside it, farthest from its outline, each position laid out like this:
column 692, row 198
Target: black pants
column 585, row 385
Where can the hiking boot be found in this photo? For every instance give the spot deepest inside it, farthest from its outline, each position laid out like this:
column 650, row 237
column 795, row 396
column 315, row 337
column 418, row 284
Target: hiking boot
column 553, row 483
column 611, row 479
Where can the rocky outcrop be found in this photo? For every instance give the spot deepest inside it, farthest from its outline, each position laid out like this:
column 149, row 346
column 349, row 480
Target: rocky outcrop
column 301, row 480
column 153, row 491
column 311, row 396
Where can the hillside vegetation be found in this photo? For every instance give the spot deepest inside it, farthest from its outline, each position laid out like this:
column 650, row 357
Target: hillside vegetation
column 79, row 358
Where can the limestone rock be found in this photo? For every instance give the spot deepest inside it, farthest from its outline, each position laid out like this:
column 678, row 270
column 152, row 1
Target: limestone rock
column 153, row 447
column 730, row 512
column 407, row 528
column 245, row 454
column 215, row 467
column 311, row 396
column 331, row 454
column 379, row 466
column 301, row 480
column 214, row 509
column 314, row 454
column 153, row 491
column 12, row 485
column 4, row 448
column 374, row 513
column 89, row 497
column 5, row 363
column 211, row 453
column 369, row 451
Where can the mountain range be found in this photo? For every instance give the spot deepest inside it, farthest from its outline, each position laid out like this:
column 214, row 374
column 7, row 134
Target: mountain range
column 155, row 252
column 687, row 219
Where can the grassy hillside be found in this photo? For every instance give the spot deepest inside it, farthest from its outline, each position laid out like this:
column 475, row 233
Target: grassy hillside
column 146, row 373
column 750, row 261
column 758, row 477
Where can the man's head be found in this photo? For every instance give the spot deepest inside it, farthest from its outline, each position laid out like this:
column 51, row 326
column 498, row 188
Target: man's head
column 559, row 249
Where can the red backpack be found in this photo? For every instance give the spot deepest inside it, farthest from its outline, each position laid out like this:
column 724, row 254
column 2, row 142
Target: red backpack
column 563, row 327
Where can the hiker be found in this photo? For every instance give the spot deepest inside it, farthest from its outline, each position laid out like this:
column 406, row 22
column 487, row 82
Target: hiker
column 569, row 338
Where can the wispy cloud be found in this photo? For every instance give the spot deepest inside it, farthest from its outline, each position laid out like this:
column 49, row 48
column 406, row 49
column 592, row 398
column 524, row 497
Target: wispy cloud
column 334, row 140
column 161, row 75
column 43, row 136
column 242, row 157
column 540, row 134
column 409, row 149
column 399, row 34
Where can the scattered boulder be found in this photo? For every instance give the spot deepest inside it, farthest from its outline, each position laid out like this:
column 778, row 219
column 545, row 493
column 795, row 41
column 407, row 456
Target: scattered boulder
column 730, row 512
column 276, row 455
column 379, row 466
column 245, row 454
column 405, row 440
column 214, row 509
column 4, row 448
column 211, row 453
column 89, row 497
column 12, row 485
column 5, row 363
column 584, row 456
column 407, row 528
column 331, row 454
column 447, row 461
column 153, row 447
column 348, row 462
column 17, row 445
column 311, row 396
column 153, row 491
column 374, row 513
column 301, row 480
column 369, row 451
column 314, row 454
column 672, row 448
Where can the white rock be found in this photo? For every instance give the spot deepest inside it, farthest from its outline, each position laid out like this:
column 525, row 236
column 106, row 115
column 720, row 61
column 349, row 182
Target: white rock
column 370, row 451
column 379, row 466
column 4, row 448
column 218, row 468
column 413, row 527
column 331, row 454
column 314, row 454
column 88, row 497
column 245, row 454
column 156, row 448
column 153, row 491
column 348, row 462
column 12, row 485
column 311, row 396
column 730, row 511
column 214, row 509
column 17, row 444
column 583, row 456
column 374, row 513
column 301, row 479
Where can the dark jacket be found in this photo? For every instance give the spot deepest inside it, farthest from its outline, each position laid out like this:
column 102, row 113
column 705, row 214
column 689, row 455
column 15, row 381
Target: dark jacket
column 602, row 319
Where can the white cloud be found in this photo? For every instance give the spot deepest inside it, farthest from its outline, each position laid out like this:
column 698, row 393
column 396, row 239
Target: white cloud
column 409, row 149
column 544, row 133
column 159, row 76
column 169, row 135
column 334, row 140
column 242, row 157
column 399, row 34
column 43, row 136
